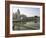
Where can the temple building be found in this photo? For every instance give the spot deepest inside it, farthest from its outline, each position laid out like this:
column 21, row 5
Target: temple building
column 16, row 16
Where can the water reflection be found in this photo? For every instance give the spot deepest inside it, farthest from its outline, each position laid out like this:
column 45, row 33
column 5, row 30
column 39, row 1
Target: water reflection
column 26, row 26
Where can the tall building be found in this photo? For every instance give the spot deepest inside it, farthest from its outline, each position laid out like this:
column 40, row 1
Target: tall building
column 18, row 11
column 18, row 14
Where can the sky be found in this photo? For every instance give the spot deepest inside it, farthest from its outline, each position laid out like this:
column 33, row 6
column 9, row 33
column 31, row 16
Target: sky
column 28, row 11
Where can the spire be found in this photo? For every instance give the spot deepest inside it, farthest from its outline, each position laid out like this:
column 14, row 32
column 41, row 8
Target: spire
column 18, row 11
